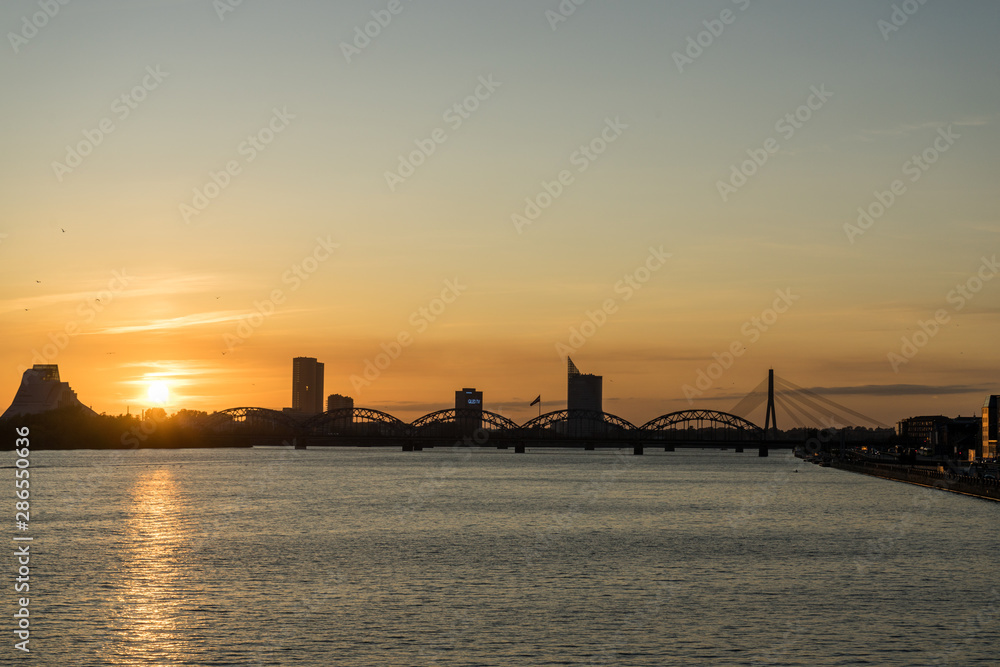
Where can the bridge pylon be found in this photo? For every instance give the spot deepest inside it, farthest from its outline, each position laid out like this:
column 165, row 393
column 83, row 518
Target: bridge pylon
column 770, row 417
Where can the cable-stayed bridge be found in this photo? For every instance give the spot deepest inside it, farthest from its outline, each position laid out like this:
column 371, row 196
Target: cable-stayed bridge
column 365, row 427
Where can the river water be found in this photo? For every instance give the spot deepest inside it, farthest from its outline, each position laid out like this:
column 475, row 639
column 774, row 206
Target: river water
column 485, row 557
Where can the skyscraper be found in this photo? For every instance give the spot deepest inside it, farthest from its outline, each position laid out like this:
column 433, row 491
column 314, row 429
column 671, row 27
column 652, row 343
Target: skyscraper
column 583, row 391
column 469, row 409
column 307, row 385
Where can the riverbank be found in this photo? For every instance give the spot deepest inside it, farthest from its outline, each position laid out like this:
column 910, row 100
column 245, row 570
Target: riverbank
column 977, row 487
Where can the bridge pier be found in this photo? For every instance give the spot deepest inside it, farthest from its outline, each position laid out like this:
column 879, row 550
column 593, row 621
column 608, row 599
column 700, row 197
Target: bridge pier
column 407, row 448
column 762, row 452
column 637, row 450
column 519, row 449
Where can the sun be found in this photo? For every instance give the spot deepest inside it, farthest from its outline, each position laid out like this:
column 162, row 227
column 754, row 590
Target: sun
column 159, row 392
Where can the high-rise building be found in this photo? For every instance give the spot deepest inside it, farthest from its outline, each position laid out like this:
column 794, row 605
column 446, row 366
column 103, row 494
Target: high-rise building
column 469, row 409
column 307, row 385
column 338, row 402
column 583, row 391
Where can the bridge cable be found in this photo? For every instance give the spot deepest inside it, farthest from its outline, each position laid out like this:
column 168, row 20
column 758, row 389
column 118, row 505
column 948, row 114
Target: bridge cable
column 780, row 402
column 816, row 412
column 807, row 392
column 751, row 401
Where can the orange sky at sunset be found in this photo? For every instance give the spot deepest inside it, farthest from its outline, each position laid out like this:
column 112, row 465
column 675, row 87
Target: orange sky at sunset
column 484, row 183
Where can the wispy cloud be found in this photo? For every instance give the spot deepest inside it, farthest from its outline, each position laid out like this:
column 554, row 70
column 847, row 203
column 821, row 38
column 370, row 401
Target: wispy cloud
column 169, row 324
column 138, row 286
column 879, row 390
column 909, row 128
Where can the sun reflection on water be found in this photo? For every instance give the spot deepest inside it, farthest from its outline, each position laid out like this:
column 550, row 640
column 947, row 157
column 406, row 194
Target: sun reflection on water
column 150, row 587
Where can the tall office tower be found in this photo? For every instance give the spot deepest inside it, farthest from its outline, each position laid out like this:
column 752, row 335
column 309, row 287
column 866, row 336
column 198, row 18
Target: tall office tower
column 307, row 385
column 583, row 391
column 469, row 409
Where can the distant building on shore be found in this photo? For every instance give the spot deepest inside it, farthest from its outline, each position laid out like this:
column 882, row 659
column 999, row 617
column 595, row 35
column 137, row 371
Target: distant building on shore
column 338, row 402
column 989, row 427
column 41, row 390
column 940, row 435
column 307, row 386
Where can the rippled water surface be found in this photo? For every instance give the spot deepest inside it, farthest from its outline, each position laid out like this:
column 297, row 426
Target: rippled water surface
column 486, row 557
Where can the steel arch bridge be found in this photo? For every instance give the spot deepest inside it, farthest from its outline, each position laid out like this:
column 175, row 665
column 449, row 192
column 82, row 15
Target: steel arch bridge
column 464, row 421
column 357, row 422
column 577, row 424
column 702, row 426
column 254, row 420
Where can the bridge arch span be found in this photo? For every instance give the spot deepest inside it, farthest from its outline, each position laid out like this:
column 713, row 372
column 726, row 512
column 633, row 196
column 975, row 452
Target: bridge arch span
column 246, row 419
column 702, row 425
column 578, row 424
column 357, row 422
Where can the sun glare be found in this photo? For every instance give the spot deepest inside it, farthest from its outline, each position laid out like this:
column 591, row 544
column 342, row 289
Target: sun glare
column 159, row 393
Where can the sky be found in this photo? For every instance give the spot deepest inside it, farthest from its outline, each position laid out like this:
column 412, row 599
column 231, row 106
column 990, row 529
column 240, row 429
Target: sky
column 433, row 195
